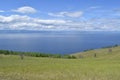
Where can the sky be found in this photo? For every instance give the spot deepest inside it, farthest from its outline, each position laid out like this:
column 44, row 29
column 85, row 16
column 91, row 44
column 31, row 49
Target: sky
column 80, row 15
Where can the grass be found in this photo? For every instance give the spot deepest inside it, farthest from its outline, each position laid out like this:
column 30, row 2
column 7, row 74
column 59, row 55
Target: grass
column 102, row 53
column 33, row 68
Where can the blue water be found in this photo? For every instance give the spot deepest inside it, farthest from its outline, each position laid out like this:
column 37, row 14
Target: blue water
column 58, row 42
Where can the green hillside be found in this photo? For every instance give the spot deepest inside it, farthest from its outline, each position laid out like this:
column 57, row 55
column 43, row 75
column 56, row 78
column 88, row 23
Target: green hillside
column 103, row 53
column 105, row 65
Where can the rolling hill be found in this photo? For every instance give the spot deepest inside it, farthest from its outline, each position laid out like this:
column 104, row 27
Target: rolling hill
column 103, row 53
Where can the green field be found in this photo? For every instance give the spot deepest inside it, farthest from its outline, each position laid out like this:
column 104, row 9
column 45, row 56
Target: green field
column 105, row 66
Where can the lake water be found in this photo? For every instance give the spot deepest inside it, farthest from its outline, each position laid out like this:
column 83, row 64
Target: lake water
column 58, row 42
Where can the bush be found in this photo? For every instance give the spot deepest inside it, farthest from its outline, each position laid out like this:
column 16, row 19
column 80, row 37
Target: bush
column 69, row 57
column 35, row 54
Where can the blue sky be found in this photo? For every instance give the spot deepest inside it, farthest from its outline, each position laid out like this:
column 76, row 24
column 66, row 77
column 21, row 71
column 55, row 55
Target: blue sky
column 83, row 15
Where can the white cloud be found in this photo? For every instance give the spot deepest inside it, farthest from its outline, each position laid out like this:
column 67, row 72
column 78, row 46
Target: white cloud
column 18, row 22
column 74, row 14
column 56, row 15
column 94, row 7
column 25, row 9
column 67, row 14
column 2, row 11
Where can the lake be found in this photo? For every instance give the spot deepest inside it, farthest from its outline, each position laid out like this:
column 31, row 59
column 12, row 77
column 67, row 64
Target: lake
column 62, row 42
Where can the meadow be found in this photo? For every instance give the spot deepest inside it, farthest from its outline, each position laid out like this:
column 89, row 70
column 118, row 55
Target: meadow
column 38, row 68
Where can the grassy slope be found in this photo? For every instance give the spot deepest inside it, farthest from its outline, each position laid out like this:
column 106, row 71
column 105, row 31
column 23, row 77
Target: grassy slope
column 101, row 53
column 32, row 68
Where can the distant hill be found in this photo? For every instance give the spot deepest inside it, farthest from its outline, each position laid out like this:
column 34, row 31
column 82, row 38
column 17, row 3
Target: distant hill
column 103, row 53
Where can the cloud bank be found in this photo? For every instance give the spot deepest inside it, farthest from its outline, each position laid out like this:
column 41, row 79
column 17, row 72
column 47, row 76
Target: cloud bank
column 18, row 22
column 62, row 21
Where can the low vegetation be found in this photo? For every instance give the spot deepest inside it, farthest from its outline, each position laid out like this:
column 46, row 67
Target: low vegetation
column 109, row 52
column 99, row 64
column 36, row 54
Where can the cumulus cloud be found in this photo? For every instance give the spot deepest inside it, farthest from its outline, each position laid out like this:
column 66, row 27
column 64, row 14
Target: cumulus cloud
column 25, row 9
column 18, row 22
column 67, row 14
